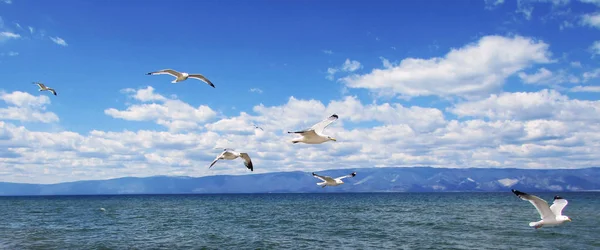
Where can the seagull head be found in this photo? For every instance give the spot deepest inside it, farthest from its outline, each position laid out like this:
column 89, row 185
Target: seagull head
column 565, row 218
column 331, row 138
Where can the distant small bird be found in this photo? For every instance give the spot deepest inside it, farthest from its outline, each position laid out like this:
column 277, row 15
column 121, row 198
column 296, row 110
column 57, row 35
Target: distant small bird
column 230, row 154
column 102, row 209
column 328, row 181
column 181, row 76
column 314, row 135
column 257, row 127
column 551, row 215
column 43, row 87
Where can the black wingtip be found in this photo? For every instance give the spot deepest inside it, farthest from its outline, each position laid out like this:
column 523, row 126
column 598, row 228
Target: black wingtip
column 148, row 73
column 558, row 197
column 517, row 192
column 353, row 174
column 313, row 174
column 334, row 115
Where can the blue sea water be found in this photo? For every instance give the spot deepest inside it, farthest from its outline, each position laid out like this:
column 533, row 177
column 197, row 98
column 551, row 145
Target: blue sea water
column 294, row 221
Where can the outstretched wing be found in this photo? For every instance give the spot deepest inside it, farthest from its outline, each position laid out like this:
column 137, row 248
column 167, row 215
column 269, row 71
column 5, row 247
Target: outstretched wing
column 247, row 161
column 558, row 205
column 166, row 72
column 52, row 90
column 220, row 156
column 41, row 85
column 347, row 176
column 319, row 127
column 321, row 177
column 202, row 78
column 539, row 204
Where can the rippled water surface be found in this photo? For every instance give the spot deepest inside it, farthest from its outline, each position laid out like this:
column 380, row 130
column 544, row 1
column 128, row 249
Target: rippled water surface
column 296, row 221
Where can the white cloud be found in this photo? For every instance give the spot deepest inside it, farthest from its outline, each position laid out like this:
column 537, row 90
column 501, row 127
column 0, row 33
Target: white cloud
column 347, row 66
column 592, row 20
column 174, row 114
column 542, row 75
column 545, row 104
column 329, row 52
column 25, row 107
column 369, row 135
column 59, row 41
column 545, row 76
column 595, row 89
column 595, row 48
column 31, row 29
column 576, row 64
column 591, row 75
column 596, row 2
column 8, row 35
column 351, row 65
column 473, row 70
column 6, row 1
column 256, row 90
column 491, row 4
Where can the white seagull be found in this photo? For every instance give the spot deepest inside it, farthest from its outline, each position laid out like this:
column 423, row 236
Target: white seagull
column 551, row 215
column 314, row 135
column 43, row 87
column 181, row 76
column 230, row 154
column 328, row 181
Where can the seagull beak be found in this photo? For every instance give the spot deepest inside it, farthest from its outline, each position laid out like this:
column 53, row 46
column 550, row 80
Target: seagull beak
column 333, row 139
column 569, row 219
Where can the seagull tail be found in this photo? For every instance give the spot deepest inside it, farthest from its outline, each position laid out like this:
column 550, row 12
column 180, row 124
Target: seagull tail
column 535, row 224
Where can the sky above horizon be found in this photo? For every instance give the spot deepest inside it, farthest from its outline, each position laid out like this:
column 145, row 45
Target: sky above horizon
column 500, row 84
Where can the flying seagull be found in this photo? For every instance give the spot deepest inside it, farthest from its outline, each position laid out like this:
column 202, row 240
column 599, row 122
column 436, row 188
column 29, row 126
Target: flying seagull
column 43, row 87
column 257, row 127
column 328, row 181
column 181, row 76
column 314, row 135
column 230, row 154
column 551, row 215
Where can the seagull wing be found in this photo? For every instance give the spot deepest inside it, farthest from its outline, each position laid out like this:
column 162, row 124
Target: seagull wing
column 558, row 205
column 347, row 176
column 217, row 159
column 202, row 78
column 247, row 161
column 166, row 72
column 52, row 90
column 319, row 127
column 41, row 85
column 321, row 177
column 539, row 204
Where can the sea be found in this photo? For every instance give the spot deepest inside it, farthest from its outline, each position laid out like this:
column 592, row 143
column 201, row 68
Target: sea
column 295, row 221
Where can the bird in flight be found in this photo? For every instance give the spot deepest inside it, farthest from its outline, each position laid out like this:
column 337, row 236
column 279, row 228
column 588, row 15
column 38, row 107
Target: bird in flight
column 43, row 87
column 328, row 181
column 314, row 135
column 550, row 215
column 181, row 76
column 230, row 154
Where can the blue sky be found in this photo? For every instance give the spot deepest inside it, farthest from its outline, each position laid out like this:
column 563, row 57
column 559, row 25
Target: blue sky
column 435, row 83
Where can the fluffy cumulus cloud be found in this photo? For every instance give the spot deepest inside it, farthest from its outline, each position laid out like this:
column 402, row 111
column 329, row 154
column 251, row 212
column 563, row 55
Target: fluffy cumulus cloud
column 172, row 113
column 24, row 107
column 591, row 20
column 347, row 66
column 543, row 129
column 474, row 70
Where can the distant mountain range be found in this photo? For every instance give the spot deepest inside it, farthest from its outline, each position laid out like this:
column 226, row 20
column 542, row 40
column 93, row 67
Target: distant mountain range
column 406, row 179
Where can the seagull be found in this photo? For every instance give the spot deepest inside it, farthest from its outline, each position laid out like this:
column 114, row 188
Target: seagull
column 43, row 87
column 257, row 127
column 314, row 135
column 328, row 181
column 181, row 76
column 551, row 215
column 230, row 154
